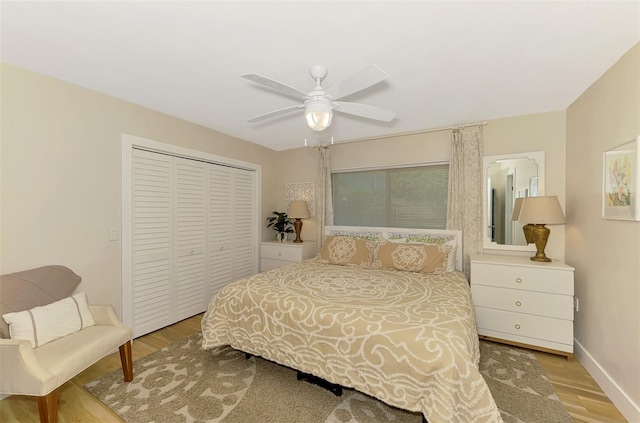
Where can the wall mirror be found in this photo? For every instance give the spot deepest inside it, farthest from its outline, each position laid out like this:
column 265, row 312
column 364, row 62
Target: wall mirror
column 507, row 177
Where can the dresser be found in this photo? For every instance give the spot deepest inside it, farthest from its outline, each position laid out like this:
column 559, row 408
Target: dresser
column 524, row 303
column 274, row 254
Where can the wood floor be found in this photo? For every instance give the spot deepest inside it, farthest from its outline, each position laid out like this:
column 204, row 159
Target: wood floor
column 581, row 396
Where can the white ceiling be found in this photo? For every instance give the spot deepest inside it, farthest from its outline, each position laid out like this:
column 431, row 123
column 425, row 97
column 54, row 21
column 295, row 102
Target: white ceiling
column 450, row 62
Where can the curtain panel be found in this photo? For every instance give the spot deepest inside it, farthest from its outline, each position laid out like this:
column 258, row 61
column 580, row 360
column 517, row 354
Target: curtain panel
column 325, row 200
column 464, row 210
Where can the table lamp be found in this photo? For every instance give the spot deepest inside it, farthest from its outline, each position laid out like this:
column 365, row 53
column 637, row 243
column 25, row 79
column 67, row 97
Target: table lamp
column 541, row 211
column 298, row 209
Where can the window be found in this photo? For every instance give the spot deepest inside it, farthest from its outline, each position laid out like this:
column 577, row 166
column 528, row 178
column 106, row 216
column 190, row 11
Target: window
column 406, row 197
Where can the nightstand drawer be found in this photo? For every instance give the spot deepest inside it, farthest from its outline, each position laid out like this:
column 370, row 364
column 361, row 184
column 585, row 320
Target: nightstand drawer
column 269, row 264
column 275, row 254
column 521, row 277
column 525, row 325
column 520, row 301
column 281, row 252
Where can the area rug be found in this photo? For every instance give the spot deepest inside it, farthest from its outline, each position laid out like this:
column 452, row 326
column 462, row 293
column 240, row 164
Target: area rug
column 183, row 383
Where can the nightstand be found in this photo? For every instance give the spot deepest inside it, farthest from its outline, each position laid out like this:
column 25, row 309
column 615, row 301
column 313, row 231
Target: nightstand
column 274, row 254
column 524, row 303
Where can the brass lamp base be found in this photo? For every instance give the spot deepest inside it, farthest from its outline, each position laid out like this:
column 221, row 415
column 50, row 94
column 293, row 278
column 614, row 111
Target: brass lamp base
column 528, row 235
column 297, row 225
column 540, row 235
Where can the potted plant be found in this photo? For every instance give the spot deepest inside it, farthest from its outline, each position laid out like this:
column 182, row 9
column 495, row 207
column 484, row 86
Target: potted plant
column 281, row 224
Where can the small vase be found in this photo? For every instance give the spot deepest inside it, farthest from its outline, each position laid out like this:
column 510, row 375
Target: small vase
column 281, row 236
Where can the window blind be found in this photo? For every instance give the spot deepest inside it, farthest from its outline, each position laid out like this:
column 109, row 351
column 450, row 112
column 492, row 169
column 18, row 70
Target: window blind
column 407, row 197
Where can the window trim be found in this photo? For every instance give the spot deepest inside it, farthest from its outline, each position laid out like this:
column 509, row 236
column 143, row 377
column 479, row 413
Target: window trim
column 392, row 166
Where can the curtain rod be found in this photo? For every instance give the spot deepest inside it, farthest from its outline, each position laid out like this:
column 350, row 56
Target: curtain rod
column 425, row 131
column 403, row 134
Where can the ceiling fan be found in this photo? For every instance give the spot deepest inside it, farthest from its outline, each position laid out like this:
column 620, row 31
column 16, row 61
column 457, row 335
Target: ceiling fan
column 320, row 104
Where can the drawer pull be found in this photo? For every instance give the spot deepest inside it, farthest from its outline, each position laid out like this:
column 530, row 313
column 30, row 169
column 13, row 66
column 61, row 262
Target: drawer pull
column 517, row 326
column 519, row 280
column 518, row 303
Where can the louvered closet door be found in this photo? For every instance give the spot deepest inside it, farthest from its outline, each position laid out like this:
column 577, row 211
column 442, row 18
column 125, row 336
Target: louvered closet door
column 193, row 233
column 220, row 214
column 190, row 234
column 243, row 230
column 152, row 241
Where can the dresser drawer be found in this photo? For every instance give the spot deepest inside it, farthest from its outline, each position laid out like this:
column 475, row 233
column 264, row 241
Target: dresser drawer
column 281, row 252
column 520, row 301
column 525, row 325
column 520, row 277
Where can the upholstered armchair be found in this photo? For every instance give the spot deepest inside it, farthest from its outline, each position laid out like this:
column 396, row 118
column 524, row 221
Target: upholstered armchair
column 31, row 363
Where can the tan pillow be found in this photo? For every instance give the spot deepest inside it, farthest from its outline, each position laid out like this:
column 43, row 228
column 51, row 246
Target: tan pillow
column 344, row 250
column 412, row 257
column 438, row 240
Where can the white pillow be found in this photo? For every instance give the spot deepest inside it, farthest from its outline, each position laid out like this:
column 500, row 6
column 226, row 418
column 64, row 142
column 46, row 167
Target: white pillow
column 44, row 324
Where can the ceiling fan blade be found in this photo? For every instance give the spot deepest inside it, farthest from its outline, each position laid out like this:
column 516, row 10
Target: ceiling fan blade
column 278, row 86
column 365, row 111
column 275, row 113
column 357, row 82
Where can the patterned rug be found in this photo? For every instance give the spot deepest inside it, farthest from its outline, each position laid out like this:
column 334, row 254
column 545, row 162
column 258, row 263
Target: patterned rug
column 183, row 383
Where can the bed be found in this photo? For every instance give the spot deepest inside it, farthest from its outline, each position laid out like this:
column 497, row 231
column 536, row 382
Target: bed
column 381, row 310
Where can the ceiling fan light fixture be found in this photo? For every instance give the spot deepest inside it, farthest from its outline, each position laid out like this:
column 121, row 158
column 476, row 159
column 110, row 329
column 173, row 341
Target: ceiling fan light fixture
column 320, row 104
column 318, row 115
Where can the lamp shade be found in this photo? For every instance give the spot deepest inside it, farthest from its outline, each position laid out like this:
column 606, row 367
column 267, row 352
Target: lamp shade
column 541, row 210
column 318, row 115
column 298, row 209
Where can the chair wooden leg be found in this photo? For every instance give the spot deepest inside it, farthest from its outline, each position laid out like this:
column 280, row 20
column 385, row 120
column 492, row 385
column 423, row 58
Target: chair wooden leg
column 48, row 407
column 126, row 360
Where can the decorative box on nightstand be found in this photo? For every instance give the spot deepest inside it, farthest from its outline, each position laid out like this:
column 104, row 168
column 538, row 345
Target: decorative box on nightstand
column 524, row 303
column 274, row 254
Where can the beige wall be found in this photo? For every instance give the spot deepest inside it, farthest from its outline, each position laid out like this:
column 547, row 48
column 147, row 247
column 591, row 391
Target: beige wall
column 61, row 174
column 537, row 132
column 605, row 253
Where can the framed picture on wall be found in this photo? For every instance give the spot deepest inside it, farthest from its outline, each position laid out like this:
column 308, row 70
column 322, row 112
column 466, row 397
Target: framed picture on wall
column 301, row 191
column 620, row 182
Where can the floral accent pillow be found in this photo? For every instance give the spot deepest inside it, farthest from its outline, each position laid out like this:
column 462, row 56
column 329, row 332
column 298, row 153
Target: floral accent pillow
column 346, row 251
column 420, row 258
column 438, row 240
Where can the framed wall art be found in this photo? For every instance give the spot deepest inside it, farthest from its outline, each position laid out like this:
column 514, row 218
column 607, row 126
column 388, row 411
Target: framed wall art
column 301, row 191
column 621, row 180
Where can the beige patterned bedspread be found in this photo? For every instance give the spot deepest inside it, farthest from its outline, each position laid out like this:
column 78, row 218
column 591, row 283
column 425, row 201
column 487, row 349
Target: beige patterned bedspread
column 408, row 339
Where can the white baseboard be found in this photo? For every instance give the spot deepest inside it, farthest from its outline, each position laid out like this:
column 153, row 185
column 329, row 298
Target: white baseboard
column 618, row 397
column 3, row 396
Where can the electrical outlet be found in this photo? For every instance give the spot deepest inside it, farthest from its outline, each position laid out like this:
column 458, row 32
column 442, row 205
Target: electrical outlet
column 576, row 304
column 114, row 234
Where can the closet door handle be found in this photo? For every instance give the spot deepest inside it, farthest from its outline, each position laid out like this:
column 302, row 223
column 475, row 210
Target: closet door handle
column 517, row 326
column 519, row 280
column 518, row 303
